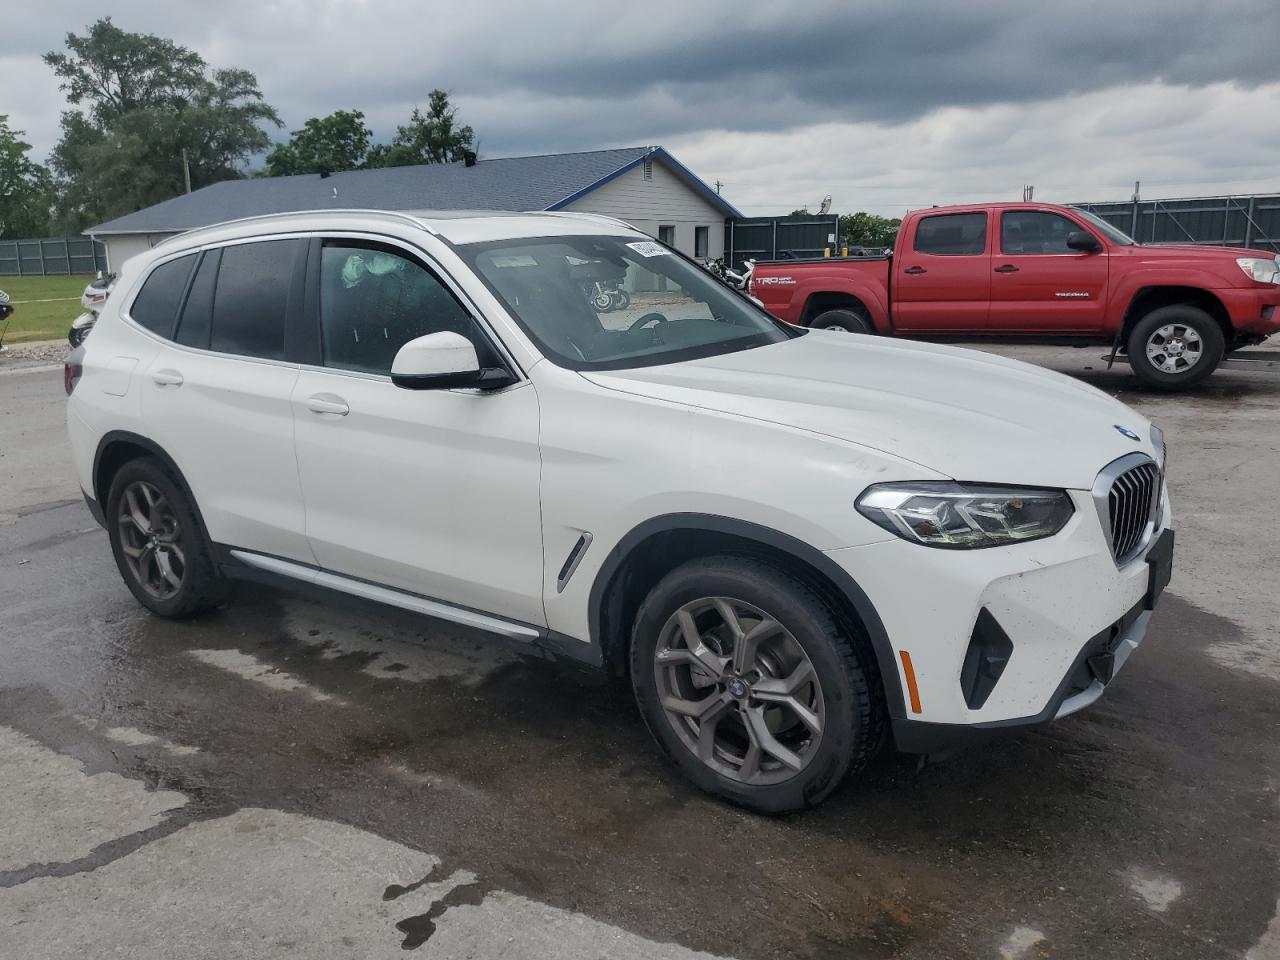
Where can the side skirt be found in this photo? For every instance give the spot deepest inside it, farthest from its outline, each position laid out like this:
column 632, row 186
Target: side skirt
column 278, row 572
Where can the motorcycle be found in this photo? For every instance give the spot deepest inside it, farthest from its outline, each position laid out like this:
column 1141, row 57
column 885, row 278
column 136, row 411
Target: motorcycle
column 605, row 297
column 729, row 276
column 91, row 301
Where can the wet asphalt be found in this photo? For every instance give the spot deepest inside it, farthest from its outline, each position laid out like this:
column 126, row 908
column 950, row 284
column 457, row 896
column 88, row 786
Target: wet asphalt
column 1143, row 827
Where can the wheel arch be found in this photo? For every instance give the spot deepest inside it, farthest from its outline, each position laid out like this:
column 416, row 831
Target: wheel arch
column 653, row 547
column 118, row 447
column 820, row 301
column 1153, row 297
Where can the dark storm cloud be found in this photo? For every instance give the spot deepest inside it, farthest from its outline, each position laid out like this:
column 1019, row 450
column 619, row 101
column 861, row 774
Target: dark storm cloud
column 554, row 75
column 883, row 100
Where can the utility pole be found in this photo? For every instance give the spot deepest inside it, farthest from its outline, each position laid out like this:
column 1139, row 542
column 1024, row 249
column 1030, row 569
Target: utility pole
column 186, row 169
column 718, row 186
column 1029, row 191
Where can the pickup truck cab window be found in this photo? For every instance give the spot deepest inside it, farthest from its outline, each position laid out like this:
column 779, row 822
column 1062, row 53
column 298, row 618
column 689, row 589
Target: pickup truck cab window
column 953, row 235
column 1035, row 232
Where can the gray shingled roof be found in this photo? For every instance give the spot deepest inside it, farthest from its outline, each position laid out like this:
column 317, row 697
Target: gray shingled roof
column 515, row 183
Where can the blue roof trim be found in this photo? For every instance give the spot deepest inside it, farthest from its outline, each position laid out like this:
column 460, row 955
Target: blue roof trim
column 681, row 170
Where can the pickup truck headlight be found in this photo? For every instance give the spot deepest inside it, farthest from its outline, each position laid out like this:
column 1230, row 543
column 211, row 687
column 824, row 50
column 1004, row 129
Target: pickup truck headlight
column 1260, row 269
column 965, row 516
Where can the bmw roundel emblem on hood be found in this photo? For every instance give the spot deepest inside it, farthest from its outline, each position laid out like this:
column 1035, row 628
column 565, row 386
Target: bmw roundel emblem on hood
column 1126, row 432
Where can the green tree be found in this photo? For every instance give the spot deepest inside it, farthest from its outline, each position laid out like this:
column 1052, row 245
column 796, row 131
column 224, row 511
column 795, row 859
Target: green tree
column 140, row 103
column 339, row 141
column 868, row 230
column 26, row 189
column 433, row 137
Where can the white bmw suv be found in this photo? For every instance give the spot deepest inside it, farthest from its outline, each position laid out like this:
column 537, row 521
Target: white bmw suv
column 792, row 542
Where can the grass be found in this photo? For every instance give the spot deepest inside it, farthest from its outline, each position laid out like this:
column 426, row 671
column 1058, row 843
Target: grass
column 42, row 321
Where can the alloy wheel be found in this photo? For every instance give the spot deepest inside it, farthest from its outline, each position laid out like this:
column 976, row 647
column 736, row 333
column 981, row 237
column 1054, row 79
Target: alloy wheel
column 739, row 691
column 1174, row 348
column 151, row 540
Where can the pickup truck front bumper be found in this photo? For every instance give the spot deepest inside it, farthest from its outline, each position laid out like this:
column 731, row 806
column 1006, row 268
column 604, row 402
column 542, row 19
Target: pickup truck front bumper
column 1254, row 311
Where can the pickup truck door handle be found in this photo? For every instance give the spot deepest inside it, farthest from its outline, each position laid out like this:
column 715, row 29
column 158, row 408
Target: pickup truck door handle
column 914, row 270
column 1007, row 268
column 167, row 378
column 328, row 403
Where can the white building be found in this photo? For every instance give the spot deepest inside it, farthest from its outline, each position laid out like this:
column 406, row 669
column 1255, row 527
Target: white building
column 645, row 186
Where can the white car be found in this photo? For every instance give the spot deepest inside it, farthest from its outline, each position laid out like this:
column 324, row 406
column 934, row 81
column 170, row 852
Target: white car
column 792, row 542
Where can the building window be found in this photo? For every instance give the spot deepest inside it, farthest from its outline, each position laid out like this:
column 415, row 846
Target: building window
column 667, row 234
column 701, row 242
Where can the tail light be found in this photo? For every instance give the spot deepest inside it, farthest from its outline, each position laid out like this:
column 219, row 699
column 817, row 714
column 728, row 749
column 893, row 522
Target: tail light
column 71, row 373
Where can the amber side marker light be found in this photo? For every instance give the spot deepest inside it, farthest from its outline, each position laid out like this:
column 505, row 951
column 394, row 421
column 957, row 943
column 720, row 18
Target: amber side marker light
column 912, row 691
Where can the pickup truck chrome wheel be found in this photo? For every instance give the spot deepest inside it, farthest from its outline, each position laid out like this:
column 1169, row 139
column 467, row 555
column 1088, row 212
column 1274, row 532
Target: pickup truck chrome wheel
column 151, row 540
column 739, row 691
column 1174, row 347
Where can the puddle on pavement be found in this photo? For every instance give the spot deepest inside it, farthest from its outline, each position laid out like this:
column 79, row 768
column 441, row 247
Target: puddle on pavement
column 539, row 777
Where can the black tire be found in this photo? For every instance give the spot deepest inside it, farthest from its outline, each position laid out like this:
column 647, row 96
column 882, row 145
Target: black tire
column 76, row 336
column 202, row 588
column 853, row 709
column 847, row 321
column 1209, row 354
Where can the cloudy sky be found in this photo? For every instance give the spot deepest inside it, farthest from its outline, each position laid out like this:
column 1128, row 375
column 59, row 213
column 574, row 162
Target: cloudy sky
column 883, row 105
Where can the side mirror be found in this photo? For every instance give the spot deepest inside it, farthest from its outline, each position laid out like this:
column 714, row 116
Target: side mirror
column 444, row 361
column 1084, row 241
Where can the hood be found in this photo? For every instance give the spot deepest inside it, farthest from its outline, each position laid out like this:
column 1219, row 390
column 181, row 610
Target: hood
column 1184, row 251
column 965, row 414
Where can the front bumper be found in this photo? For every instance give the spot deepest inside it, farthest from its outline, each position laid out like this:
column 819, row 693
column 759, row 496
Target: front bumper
column 1254, row 311
column 1059, row 614
column 1094, row 667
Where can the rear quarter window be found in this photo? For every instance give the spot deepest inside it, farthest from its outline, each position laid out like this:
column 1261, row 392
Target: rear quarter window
column 156, row 305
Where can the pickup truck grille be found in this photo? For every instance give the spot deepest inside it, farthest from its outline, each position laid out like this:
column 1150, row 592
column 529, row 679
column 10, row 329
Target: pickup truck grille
column 1131, row 505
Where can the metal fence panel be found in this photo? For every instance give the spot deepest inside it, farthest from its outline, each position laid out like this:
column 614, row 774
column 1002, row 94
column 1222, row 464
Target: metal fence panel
column 768, row 238
column 1252, row 221
column 51, row 256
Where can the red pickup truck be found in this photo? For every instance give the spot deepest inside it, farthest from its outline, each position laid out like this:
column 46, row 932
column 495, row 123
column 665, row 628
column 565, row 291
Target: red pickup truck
column 1036, row 272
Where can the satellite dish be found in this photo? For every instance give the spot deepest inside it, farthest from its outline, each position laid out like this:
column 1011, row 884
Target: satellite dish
column 826, row 205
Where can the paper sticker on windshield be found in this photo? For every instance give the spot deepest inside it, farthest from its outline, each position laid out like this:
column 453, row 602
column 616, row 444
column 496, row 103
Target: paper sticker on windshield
column 647, row 248
column 519, row 260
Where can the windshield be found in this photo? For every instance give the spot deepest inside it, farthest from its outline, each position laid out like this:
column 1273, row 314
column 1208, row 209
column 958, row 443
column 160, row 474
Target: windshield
column 1114, row 234
column 609, row 302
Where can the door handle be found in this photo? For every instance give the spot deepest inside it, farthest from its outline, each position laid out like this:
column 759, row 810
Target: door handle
column 166, row 378
column 915, row 270
column 1007, row 268
column 328, row 403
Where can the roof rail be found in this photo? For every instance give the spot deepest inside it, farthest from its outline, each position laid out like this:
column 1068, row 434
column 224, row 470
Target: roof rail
column 602, row 217
column 284, row 214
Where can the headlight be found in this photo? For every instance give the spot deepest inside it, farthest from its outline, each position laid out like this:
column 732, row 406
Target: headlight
column 1261, row 269
column 1157, row 441
column 965, row 516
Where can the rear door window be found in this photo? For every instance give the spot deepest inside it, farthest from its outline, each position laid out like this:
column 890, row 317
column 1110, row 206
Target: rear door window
column 251, row 298
column 156, row 305
column 952, row 235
